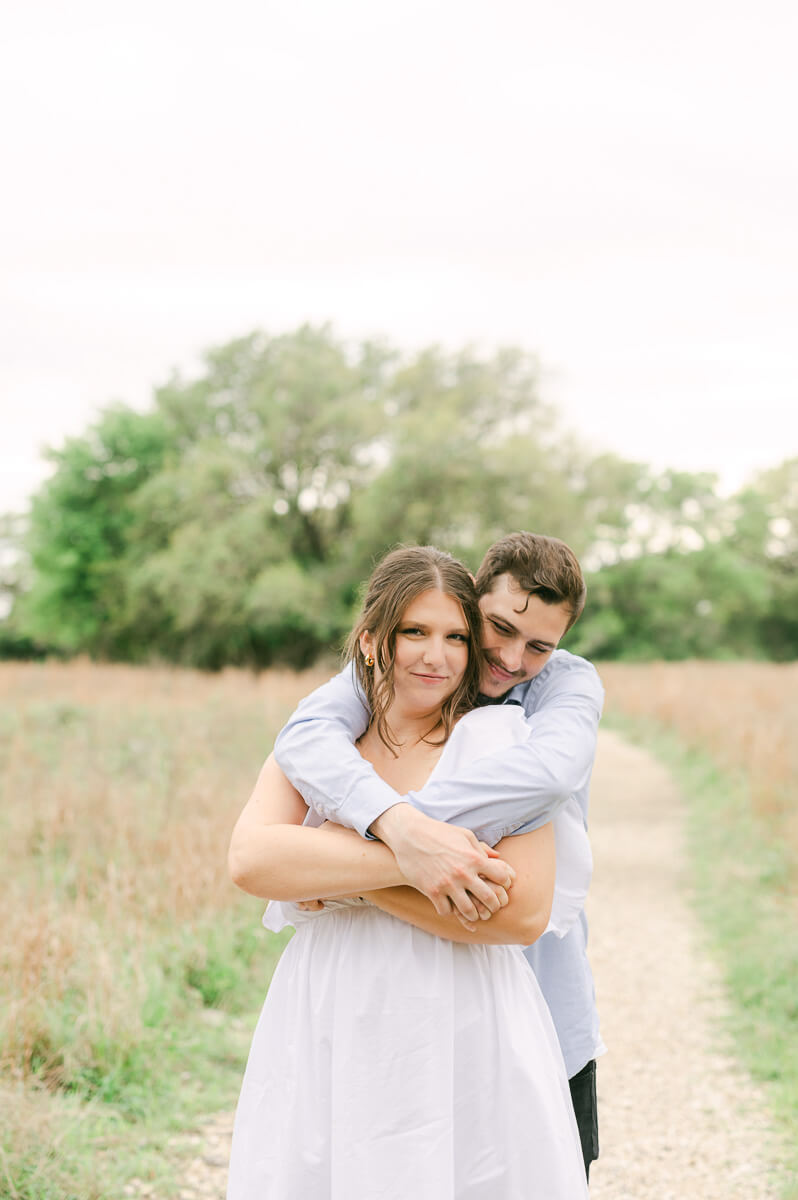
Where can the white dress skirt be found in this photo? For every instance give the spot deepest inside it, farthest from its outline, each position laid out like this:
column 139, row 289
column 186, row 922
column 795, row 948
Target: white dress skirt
column 390, row 1064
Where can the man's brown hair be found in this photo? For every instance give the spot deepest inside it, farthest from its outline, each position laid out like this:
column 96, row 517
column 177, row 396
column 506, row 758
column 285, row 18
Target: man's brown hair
column 541, row 566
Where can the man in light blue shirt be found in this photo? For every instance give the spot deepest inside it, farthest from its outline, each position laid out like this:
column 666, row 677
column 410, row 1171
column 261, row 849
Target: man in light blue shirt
column 531, row 591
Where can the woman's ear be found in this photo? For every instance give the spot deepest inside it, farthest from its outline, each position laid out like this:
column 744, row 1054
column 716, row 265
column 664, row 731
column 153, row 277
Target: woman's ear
column 366, row 643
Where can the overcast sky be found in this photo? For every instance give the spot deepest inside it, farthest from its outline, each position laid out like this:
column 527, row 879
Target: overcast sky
column 613, row 186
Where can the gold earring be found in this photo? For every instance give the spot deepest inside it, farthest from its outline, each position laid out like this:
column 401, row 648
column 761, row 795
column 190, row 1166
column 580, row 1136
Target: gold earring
column 369, row 660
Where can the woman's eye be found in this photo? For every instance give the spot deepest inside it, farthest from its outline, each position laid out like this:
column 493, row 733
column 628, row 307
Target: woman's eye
column 459, row 637
column 410, row 630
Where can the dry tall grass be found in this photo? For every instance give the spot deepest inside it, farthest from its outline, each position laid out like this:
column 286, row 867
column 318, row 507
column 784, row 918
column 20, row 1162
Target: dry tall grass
column 744, row 714
column 119, row 790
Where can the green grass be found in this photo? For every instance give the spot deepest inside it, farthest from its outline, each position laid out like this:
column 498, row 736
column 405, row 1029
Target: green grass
column 745, row 890
column 81, row 1130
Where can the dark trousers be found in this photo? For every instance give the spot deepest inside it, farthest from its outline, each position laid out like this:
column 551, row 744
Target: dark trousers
column 583, row 1095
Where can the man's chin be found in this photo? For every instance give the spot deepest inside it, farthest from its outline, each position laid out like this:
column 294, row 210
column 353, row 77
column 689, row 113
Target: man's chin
column 491, row 688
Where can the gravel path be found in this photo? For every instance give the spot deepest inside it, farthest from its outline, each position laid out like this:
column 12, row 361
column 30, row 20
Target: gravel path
column 678, row 1119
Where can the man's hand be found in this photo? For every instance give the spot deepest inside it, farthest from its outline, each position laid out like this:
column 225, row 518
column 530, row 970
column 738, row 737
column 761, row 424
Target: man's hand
column 447, row 863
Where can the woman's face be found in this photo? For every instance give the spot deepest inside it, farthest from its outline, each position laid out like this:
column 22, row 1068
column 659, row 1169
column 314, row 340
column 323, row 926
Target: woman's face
column 431, row 651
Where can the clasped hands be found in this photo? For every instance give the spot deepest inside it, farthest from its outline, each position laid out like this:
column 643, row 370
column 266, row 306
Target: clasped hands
column 459, row 874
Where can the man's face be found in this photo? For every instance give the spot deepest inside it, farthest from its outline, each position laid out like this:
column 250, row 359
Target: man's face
column 519, row 633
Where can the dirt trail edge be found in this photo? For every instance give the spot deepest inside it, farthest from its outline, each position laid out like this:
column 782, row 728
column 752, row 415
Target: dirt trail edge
column 678, row 1119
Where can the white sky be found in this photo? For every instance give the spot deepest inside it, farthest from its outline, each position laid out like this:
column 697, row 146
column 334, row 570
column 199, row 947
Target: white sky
column 612, row 185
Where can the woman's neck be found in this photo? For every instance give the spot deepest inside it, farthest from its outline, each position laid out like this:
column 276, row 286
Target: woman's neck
column 407, row 728
column 406, row 763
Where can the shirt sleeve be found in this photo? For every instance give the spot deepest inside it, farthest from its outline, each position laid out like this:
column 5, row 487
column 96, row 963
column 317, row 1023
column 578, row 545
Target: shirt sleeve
column 526, row 784
column 316, row 751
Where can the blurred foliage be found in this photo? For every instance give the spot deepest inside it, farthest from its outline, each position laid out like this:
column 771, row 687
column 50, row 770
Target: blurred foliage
column 234, row 522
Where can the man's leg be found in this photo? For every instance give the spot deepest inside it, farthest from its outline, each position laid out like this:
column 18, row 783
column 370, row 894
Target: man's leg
column 583, row 1095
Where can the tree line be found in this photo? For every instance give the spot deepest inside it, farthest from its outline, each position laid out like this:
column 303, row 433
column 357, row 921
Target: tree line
column 233, row 522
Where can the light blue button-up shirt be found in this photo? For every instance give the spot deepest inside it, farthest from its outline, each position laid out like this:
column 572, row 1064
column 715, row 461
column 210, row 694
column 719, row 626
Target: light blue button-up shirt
column 514, row 791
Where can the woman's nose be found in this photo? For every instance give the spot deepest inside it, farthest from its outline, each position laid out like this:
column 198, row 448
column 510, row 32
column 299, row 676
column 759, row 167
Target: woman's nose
column 433, row 649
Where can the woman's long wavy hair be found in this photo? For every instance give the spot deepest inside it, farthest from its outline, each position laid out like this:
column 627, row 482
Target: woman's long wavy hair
column 404, row 574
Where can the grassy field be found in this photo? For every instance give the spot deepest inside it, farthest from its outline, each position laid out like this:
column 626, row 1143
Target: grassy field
column 121, row 938
column 727, row 731
column 132, row 969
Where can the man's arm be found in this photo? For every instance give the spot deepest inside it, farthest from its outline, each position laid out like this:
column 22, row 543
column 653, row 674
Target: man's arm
column 316, row 752
column 528, row 782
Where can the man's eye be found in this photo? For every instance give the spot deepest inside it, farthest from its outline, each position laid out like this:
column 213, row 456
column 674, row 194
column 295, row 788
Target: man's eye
column 502, row 629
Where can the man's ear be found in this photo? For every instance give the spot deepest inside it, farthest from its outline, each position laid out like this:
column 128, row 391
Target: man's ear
column 473, row 578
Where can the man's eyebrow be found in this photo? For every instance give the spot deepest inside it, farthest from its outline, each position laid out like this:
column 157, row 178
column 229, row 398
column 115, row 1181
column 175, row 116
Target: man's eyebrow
column 503, row 621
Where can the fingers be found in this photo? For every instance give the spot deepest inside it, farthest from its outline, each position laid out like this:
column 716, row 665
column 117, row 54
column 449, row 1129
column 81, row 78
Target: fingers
column 478, row 902
column 502, row 898
column 496, row 870
column 481, row 892
column 462, row 903
column 441, row 903
column 492, row 896
column 482, row 910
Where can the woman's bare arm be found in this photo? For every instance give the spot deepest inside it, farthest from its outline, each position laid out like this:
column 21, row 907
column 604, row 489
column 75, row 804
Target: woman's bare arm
column 520, row 922
column 273, row 856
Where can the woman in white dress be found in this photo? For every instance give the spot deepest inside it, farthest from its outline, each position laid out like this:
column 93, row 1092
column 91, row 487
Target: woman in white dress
column 403, row 1055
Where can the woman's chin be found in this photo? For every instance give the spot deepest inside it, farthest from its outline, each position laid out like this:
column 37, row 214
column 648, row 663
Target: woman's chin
column 425, row 700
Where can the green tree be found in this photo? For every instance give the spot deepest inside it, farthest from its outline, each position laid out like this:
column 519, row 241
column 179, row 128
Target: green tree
column 239, row 542
column 766, row 531
column 234, row 522
column 706, row 603
column 471, row 452
column 80, row 527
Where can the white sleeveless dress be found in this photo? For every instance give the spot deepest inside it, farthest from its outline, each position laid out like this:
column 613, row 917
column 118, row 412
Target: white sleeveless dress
column 389, row 1064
